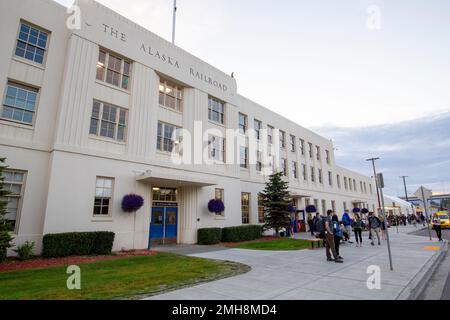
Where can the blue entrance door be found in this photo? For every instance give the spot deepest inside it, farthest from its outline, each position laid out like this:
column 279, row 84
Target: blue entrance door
column 164, row 226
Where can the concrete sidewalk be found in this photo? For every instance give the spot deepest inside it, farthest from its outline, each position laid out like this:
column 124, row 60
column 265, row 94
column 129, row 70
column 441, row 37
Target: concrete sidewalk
column 306, row 275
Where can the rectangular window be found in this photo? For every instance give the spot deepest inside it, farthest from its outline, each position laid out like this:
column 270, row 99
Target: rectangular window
column 108, row 121
column 295, row 169
column 345, row 183
column 243, row 123
column 302, row 146
column 365, row 188
column 324, row 206
column 261, row 209
column 320, row 176
column 330, row 178
column 216, row 110
column 316, row 204
column 361, row 189
column 216, row 148
column 170, row 95
column 245, row 207
column 328, row 156
column 270, row 135
column 350, row 184
column 354, row 185
column 307, row 201
column 345, row 206
column 165, row 194
column 318, row 153
column 244, row 157
column 284, row 167
column 14, row 184
column 333, row 205
column 31, row 43
column 292, row 143
column 338, row 179
column 283, row 139
column 370, row 188
column 220, row 195
column 258, row 161
column 313, row 174
column 19, row 104
column 113, row 70
column 305, row 172
column 103, row 196
column 310, row 150
column 168, row 136
column 258, row 128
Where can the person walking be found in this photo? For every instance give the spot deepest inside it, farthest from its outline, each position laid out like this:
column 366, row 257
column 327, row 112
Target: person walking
column 383, row 228
column 311, row 224
column 347, row 222
column 438, row 227
column 330, row 248
column 374, row 227
column 337, row 233
column 357, row 229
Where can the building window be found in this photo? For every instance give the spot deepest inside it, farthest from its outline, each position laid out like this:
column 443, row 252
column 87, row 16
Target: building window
column 305, row 172
column 302, row 147
column 354, row 185
column 284, row 167
column 108, row 121
column 14, row 184
column 338, row 179
column 333, row 205
column 32, row 43
column 307, row 202
column 330, row 178
column 19, row 104
column 261, row 209
column 313, row 174
column 361, row 187
column 216, row 148
column 318, row 153
column 170, row 96
column 220, row 195
column 113, row 70
column 324, row 206
column 328, row 156
column 245, row 207
column 292, row 143
column 168, row 137
column 165, row 194
column 345, row 206
column 258, row 128
column 244, row 157
column 320, row 176
column 103, row 196
column 295, row 169
column 258, row 161
column 216, row 110
column 283, row 139
column 270, row 135
column 370, row 188
column 243, row 123
column 310, row 150
column 350, row 184
column 345, row 183
column 365, row 188
column 316, row 204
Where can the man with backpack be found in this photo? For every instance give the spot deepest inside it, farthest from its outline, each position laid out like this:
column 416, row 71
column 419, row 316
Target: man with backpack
column 324, row 228
column 375, row 227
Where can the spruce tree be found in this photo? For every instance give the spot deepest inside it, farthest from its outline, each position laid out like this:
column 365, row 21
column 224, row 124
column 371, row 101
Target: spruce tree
column 5, row 226
column 276, row 200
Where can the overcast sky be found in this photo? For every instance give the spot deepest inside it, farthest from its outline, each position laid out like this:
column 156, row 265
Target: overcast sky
column 318, row 63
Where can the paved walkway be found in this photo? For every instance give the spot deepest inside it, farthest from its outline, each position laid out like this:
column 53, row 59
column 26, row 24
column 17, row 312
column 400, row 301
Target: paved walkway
column 306, row 275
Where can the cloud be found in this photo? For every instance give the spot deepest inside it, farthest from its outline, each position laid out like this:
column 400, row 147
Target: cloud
column 418, row 148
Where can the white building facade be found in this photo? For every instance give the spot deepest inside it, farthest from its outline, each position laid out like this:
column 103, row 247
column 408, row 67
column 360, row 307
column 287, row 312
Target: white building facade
column 88, row 116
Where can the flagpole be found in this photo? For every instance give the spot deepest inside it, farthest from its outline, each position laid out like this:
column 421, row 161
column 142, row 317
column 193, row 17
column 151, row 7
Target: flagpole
column 174, row 20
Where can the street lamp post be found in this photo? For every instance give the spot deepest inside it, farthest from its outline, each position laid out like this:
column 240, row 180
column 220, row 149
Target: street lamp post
column 381, row 205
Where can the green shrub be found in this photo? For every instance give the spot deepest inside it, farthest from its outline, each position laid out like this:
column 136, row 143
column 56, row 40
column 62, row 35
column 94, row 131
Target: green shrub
column 77, row 244
column 5, row 243
column 242, row 233
column 25, row 251
column 209, row 236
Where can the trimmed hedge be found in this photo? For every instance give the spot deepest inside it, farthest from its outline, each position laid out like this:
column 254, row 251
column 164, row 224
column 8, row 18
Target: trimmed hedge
column 242, row 233
column 77, row 244
column 209, row 236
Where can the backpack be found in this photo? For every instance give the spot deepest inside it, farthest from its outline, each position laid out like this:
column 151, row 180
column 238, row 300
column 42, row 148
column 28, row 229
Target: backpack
column 319, row 225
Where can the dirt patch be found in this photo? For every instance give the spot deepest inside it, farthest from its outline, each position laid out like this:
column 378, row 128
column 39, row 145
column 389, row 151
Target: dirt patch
column 35, row 263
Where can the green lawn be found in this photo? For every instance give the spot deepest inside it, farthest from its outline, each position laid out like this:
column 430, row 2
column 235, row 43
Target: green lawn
column 125, row 278
column 276, row 245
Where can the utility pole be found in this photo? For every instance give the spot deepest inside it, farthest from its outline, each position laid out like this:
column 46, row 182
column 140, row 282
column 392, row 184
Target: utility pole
column 406, row 196
column 174, row 20
column 379, row 184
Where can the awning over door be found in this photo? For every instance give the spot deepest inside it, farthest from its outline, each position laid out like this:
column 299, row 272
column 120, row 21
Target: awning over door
column 164, row 179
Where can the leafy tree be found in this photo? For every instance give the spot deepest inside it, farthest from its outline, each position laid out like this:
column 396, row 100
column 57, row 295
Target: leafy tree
column 5, row 225
column 276, row 201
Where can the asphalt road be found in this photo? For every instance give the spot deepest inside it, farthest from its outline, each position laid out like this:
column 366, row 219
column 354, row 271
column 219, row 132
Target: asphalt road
column 439, row 284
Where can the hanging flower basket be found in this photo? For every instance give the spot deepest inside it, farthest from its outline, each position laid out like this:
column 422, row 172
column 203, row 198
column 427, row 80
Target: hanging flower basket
column 216, row 206
column 311, row 209
column 132, row 203
column 365, row 211
column 356, row 210
column 291, row 208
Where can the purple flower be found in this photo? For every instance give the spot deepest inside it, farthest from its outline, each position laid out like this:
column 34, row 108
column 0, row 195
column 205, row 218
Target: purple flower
column 291, row 208
column 311, row 209
column 365, row 211
column 132, row 203
column 356, row 210
column 216, row 206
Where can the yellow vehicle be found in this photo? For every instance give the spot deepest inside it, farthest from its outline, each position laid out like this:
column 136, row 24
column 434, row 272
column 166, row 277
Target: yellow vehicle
column 445, row 219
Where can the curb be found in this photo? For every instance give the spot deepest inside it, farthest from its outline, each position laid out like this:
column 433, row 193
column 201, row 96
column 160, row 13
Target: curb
column 416, row 286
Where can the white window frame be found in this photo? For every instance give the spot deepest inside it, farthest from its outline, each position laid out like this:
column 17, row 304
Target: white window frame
column 244, row 222
column 165, row 88
column 27, row 43
column 258, row 127
column 102, row 197
column 161, row 139
column 28, row 89
column 211, row 110
column 117, row 124
column 105, row 67
column 222, row 197
column 243, row 127
column 218, row 146
column 16, row 196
